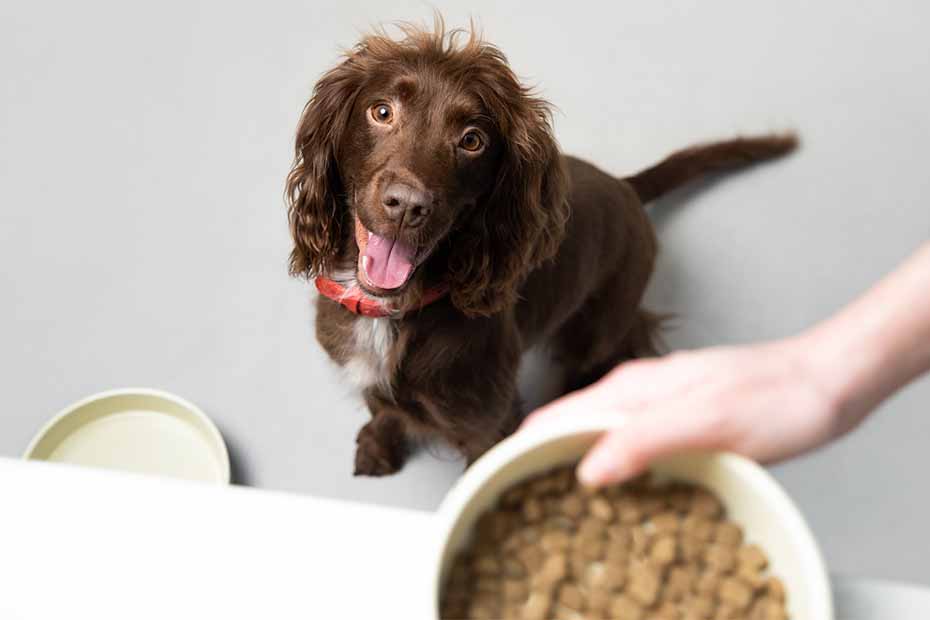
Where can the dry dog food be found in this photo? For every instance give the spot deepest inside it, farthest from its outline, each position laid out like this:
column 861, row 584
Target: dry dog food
column 552, row 549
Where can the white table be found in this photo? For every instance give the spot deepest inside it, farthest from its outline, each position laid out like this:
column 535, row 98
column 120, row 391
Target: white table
column 79, row 543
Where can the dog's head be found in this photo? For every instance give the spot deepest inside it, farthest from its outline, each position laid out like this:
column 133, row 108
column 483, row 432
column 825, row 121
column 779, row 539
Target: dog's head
column 422, row 160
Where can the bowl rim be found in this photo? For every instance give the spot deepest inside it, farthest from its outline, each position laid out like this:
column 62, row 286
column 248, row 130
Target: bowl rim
column 597, row 423
column 213, row 433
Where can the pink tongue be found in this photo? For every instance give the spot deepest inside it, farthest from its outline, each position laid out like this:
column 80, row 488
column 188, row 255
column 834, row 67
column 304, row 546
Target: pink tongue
column 390, row 261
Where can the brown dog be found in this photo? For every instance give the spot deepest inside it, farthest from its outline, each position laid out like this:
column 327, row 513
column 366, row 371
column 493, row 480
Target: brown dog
column 448, row 234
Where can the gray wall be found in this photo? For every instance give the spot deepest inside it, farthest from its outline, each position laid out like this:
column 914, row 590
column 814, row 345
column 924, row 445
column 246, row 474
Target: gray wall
column 143, row 242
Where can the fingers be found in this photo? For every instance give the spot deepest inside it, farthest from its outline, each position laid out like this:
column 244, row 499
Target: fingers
column 588, row 399
column 625, row 453
column 626, row 387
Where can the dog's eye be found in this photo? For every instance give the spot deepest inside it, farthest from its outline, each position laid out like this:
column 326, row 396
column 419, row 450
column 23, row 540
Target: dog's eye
column 382, row 113
column 471, row 142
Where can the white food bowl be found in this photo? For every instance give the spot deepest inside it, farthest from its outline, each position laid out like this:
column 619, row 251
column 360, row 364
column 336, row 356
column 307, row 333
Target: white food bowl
column 138, row 430
column 751, row 495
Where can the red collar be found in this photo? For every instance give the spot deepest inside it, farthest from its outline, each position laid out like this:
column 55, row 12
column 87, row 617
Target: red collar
column 355, row 300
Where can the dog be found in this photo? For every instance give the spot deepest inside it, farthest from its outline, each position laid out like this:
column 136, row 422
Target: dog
column 447, row 233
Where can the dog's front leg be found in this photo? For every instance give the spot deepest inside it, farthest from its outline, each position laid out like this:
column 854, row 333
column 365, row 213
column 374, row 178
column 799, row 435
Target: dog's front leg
column 382, row 444
column 482, row 407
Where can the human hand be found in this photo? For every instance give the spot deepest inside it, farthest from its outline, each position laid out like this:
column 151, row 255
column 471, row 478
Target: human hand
column 763, row 401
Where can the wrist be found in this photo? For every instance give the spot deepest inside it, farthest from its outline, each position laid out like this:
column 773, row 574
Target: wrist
column 814, row 374
column 845, row 371
column 874, row 346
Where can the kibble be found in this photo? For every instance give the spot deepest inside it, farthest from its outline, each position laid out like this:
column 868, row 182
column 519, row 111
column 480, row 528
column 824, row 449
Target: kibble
column 698, row 527
column 554, row 550
column 553, row 570
column 625, row 608
column 652, row 504
column 775, row 588
column 665, row 523
column 644, row 586
column 701, row 607
column 729, row 534
column 590, row 527
column 751, row 576
column 601, row 509
column 486, row 565
column 532, row 558
column 677, row 584
column 513, row 568
column 572, row 506
column 571, row 596
column 720, row 559
column 555, row 541
column 664, row 550
column 533, row 510
column 537, row 606
column 752, row 556
column 667, row 611
column 592, row 548
column 617, row 552
column 598, row 600
column 577, row 565
column 705, row 504
column 614, row 577
column 628, row 511
column 768, row 609
column 707, row 583
column 735, row 593
column 515, row 591
column 640, row 540
column 691, row 549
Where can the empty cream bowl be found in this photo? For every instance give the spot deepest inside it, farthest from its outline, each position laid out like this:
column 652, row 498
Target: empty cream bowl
column 138, row 430
column 751, row 495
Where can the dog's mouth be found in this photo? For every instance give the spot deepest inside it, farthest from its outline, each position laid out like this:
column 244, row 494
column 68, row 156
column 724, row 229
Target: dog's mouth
column 384, row 264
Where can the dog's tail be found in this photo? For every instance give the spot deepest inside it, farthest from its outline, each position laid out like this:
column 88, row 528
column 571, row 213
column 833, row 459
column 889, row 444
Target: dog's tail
column 701, row 159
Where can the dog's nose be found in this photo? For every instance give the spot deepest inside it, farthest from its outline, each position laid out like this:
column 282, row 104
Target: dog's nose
column 402, row 200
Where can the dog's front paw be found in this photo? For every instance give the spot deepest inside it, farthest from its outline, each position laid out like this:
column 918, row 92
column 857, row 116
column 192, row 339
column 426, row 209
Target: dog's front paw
column 380, row 451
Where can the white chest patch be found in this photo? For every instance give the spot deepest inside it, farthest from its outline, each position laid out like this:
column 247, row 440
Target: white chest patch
column 369, row 364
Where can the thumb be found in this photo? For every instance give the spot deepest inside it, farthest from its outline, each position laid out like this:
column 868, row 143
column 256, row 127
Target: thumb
column 626, row 452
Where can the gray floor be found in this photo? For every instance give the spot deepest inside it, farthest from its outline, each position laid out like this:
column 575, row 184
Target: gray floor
column 143, row 242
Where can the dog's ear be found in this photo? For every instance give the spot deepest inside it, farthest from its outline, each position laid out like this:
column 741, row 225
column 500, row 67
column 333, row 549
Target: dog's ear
column 523, row 221
column 314, row 191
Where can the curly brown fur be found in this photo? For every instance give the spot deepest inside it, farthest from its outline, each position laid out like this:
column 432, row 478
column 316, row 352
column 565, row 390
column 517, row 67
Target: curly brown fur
column 534, row 247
